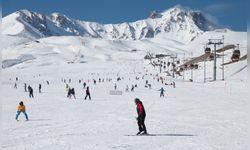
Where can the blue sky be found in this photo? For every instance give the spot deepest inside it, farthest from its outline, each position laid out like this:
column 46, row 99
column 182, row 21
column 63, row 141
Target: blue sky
column 232, row 13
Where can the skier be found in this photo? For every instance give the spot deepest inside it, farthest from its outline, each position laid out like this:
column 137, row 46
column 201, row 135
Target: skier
column 84, row 85
column 69, row 92
column 30, row 89
column 25, row 87
column 87, row 94
column 21, row 108
column 132, row 88
column 115, row 87
column 173, row 84
column 141, row 117
column 15, row 86
column 161, row 92
column 47, row 82
column 72, row 92
column 40, row 88
column 126, row 88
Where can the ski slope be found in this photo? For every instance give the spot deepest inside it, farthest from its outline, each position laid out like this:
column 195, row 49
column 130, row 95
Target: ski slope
column 192, row 116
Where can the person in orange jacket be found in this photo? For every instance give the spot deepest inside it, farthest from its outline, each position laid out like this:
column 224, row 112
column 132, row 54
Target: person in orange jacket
column 21, row 108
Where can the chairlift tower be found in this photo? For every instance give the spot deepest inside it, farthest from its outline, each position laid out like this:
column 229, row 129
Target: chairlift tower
column 173, row 59
column 215, row 42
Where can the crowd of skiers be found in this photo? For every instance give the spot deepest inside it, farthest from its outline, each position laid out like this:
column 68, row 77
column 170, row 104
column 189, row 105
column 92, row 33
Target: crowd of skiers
column 71, row 93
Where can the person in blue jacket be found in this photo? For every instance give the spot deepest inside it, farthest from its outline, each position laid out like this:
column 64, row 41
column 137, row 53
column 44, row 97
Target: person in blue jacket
column 162, row 92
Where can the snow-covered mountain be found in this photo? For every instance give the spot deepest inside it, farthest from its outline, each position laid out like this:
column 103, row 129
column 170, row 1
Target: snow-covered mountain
column 33, row 39
column 185, row 24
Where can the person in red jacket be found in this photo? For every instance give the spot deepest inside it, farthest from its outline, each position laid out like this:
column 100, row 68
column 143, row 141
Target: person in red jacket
column 141, row 117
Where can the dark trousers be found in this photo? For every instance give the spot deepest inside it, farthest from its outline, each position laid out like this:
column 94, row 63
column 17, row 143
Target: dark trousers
column 31, row 94
column 87, row 95
column 141, row 124
column 162, row 95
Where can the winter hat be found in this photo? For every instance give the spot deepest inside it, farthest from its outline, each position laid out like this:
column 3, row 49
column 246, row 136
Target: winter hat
column 137, row 100
column 21, row 103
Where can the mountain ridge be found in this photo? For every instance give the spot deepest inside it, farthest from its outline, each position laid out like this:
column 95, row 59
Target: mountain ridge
column 186, row 23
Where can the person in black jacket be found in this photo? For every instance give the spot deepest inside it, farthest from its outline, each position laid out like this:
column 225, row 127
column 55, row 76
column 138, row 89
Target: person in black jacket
column 141, row 117
column 87, row 94
column 30, row 89
column 73, row 93
column 40, row 88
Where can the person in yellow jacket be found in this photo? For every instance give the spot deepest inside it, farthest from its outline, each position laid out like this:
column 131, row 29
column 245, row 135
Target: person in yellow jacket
column 21, row 108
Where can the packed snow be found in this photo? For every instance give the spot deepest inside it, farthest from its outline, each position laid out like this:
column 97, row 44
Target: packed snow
column 191, row 116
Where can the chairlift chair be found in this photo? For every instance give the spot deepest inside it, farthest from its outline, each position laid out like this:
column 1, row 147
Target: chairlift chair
column 207, row 50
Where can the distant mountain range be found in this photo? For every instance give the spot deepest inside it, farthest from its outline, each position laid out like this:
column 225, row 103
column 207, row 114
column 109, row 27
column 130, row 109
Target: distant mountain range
column 177, row 20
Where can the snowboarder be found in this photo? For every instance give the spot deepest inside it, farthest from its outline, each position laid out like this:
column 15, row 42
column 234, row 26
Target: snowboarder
column 141, row 117
column 87, row 94
column 21, row 108
column 30, row 89
column 162, row 92
column 40, row 88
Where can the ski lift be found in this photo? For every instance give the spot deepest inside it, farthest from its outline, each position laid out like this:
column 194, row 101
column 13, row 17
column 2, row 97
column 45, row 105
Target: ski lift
column 196, row 66
column 236, row 55
column 211, row 57
column 207, row 50
column 191, row 66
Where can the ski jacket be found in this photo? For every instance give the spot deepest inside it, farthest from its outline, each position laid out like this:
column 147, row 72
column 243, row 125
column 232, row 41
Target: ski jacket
column 162, row 90
column 140, row 110
column 21, row 108
column 87, row 91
